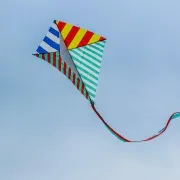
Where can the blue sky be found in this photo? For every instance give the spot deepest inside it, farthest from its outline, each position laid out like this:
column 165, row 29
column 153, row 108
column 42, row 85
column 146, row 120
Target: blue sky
column 47, row 128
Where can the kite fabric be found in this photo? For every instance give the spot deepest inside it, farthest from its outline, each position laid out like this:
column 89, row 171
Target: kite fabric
column 77, row 53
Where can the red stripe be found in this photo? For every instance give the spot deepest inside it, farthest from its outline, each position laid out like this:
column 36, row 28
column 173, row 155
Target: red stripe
column 71, row 35
column 61, row 25
column 43, row 56
column 65, row 68
column 87, row 95
column 69, row 73
column 78, row 84
column 74, row 78
column 54, row 59
column 49, row 57
column 60, row 61
column 84, row 41
column 82, row 89
column 102, row 38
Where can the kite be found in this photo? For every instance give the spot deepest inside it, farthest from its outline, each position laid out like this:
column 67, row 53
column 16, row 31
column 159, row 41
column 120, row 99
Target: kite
column 77, row 53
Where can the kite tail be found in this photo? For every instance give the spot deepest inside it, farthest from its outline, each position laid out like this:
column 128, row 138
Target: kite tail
column 120, row 137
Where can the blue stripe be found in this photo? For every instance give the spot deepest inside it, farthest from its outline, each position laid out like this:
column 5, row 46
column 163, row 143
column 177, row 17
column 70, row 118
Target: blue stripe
column 54, row 32
column 40, row 50
column 51, row 43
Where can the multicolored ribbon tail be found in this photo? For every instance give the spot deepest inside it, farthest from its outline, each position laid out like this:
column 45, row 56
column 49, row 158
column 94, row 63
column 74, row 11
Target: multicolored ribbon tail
column 120, row 137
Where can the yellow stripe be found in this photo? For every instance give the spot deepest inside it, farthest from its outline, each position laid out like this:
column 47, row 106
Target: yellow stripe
column 94, row 38
column 80, row 34
column 66, row 30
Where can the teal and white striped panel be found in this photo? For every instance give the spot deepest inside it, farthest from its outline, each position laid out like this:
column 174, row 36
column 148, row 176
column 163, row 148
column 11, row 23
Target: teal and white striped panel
column 88, row 63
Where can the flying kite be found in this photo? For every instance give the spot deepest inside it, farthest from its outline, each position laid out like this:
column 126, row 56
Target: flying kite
column 77, row 53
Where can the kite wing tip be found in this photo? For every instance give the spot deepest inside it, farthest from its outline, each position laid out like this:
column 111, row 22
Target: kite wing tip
column 55, row 21
column 102, row 38
column 35, row 54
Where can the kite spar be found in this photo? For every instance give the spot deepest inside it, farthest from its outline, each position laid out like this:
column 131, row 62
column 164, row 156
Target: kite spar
column 77, row 53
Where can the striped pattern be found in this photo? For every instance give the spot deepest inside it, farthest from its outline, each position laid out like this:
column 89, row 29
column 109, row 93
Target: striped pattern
column 75, row 37
column 76, row 52
column 88, row 63
column 55, row 60
column 50, row 42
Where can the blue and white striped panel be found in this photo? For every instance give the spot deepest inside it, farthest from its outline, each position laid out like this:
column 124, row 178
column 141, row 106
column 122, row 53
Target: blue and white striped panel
column 51, row 42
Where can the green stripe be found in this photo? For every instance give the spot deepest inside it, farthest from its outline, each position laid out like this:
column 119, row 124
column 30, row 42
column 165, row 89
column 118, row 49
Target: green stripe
column 91, row 95
column 94, row 52
column 82, row 57
column 86, row 53
column 90, row 87
column 92, row 82
column 46, row 57
column 40, row 56
column 92, row 69
column 80, row 86
column 86, row 72
column 95, row 47
column 51, row 58
column 101, row 43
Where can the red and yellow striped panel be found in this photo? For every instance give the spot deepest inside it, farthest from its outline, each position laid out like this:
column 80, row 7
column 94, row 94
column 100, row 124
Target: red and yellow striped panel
column 75, row 37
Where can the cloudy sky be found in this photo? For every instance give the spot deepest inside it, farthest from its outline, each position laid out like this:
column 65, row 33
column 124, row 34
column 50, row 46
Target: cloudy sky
column 48, row 130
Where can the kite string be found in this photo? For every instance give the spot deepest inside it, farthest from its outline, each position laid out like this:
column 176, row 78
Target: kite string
column 125, row 139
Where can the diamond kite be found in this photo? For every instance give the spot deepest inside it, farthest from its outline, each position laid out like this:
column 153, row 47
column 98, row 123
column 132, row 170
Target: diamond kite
column 77, row 53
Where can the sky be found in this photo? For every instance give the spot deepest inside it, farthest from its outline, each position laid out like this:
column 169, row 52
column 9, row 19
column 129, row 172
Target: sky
column 48, row 129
